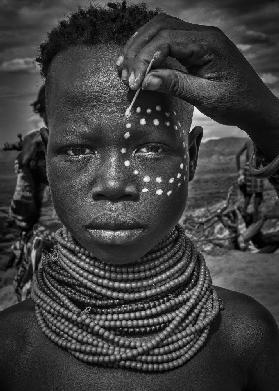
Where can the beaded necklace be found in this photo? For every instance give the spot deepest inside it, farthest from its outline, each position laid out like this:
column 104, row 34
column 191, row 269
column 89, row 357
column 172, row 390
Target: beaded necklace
column 149, row 316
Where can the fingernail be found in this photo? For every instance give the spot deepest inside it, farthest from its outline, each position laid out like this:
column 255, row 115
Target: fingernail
column 124, row 75
column 152, row 83
column 132, row 81
column 119, row 61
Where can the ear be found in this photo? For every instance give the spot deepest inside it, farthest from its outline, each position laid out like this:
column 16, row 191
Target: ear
column 44, row 136
column 194, row 140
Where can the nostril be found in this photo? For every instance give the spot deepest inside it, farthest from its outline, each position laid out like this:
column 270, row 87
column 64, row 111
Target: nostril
column 115, row 191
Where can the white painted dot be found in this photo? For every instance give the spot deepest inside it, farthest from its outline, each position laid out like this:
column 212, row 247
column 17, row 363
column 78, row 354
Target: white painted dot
column 178, row 175
column 178, row 123
column 167, row 114
column 171, row 180
column 144, row 190
column 179, row 184
column 127, row 163
column 156, row 122
column 158, row 179
column 174, row 112
column 167, row 123
column 138, row 109
column 158, row 108
column 184, row 178
column 183, row 144
column 128, row 125
column 175, row 127
column 169, row 193
column 181, row 165
column 159, row 192
column 123, row 150
column 146, row 178
column 148, row 111
column 127, row 135
column 135, row 172
column 143, row 121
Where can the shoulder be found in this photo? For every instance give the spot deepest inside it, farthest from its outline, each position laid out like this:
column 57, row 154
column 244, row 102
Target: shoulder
column 16, row 325
column 248, row 326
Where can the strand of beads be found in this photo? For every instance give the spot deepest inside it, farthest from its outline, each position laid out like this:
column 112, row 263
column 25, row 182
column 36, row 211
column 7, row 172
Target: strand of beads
column 150, row 316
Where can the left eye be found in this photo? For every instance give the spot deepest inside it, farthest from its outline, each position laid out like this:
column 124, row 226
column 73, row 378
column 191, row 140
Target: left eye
column 151, row 149
column 78, row 151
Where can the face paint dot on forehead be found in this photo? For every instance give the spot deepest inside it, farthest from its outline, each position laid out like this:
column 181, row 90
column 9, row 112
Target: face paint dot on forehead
column 146, row 178
column 143, row 121
column 128, row 125
column 135, row 172
column 138, row 109
column 123, row 150
column 171, row 180
column 127, row 163
column 144, row 190
column 156, row 122
column 158, row 108
column 159, row 192
column 127, row 135
column 158, row 179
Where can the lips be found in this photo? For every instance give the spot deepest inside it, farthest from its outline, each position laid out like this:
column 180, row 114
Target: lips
column 116, row 229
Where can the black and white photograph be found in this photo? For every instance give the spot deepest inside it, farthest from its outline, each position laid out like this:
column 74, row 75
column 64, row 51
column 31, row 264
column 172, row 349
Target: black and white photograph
column 139, row 195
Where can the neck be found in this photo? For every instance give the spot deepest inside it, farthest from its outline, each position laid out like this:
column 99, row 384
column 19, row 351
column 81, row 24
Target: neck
column 167, row 294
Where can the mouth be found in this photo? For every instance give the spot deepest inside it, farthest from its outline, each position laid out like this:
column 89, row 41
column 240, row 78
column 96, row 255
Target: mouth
column 114, row 229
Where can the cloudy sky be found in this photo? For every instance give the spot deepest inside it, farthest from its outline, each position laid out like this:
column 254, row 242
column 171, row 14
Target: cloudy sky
column 251, row 24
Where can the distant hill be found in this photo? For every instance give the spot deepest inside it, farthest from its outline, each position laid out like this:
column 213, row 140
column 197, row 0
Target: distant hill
column 226, row 146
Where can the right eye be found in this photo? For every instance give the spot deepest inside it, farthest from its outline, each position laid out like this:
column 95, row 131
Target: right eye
column 79, row 152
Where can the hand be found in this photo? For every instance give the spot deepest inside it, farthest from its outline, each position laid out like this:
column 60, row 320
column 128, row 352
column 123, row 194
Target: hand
column 209, row 71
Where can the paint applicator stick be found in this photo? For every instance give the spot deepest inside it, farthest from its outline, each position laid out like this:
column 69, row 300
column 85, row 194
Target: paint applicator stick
column 128, row 110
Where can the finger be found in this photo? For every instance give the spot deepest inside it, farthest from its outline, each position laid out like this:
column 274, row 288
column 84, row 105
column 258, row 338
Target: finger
column 190, row 88
column 185, row 46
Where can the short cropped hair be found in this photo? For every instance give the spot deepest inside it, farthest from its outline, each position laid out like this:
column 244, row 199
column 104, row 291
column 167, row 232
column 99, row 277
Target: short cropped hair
column 94, row 25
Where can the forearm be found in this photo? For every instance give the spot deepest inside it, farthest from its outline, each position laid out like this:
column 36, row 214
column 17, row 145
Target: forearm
column 262, row 126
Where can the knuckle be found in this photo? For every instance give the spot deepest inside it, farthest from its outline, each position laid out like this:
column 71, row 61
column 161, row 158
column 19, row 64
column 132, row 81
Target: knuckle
column 177, row 85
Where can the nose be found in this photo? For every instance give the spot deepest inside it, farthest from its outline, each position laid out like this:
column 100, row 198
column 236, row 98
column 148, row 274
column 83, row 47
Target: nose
column 114, row 182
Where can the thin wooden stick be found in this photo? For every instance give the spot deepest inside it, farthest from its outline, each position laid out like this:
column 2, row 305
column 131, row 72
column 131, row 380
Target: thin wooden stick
column 128, row 110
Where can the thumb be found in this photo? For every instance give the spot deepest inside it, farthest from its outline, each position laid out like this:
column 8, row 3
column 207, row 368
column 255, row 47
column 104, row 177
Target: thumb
column 190, row 88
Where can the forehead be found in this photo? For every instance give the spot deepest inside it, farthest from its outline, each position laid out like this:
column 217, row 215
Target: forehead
column 83, row 82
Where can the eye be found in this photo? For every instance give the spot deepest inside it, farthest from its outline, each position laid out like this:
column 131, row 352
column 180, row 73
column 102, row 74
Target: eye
column 79, row 152
column 151, row 149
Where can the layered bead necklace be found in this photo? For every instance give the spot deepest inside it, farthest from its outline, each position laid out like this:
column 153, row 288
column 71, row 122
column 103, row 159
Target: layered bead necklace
column 152, row 316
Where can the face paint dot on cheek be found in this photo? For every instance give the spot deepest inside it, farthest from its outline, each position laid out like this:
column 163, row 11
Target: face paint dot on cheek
column 175, row 127
column 135, row 172
column 167, row 114
column 174, row 112
column 171, row 180
column 138, row 109
column 128, row 126
column 123, row 150
column 158, row 179
column 159, row 192
column 143, row 121
column 127, row 163
column 181, row 165
column 144, row 190
column 179, row 184
column 169, row 193
column 158, row 108
column 146, row 178
column 179, row 175
column 127, row 135
column 148, row 111
column 178, row 123
column 167, row 123
column 156, row 122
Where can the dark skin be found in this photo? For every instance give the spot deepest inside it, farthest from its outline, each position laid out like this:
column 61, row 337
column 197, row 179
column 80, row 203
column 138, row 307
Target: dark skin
column 242, row 350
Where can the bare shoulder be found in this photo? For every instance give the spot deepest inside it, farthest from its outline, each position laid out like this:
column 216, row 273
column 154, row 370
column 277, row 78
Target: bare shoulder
column 16, row 325
column 248, row 325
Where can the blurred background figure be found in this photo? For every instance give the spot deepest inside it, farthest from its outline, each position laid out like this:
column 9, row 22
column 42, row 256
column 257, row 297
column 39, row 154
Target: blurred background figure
column 249, row 185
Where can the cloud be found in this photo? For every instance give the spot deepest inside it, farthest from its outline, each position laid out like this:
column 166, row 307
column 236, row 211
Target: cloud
column 269, row 78
column 19, row 65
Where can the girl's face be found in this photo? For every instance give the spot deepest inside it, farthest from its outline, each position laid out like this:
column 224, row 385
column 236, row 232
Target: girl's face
column 119, row 185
